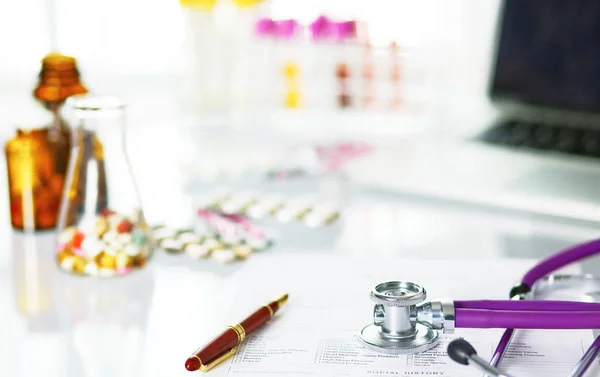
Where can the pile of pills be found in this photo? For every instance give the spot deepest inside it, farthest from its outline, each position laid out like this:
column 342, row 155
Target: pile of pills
column 207, row 244
column 309, row 211
column 106, row 245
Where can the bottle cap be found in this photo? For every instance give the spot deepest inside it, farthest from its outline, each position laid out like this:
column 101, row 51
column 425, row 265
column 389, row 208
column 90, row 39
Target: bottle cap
column 266, row 27
column 321, row 28
column 287, row 28
column 198, row 4
column 247, row 3
column 58, row 79
column 345, row 30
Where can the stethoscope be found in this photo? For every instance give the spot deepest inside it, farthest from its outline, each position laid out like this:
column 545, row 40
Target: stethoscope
column 403, row 323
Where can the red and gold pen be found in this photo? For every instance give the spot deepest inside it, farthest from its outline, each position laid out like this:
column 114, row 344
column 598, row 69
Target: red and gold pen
column 225, row 345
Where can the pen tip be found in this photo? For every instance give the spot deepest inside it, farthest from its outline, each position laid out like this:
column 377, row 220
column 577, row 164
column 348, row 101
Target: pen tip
column 282, row 299
column 192, row 364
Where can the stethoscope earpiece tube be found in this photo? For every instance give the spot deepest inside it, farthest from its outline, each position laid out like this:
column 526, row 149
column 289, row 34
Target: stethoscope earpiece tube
column 460, row 350
column 554, row 262
column 463, row 352
column 519, row 291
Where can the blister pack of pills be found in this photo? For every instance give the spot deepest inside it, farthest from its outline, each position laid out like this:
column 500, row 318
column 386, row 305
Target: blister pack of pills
column 223, row 239
column 307, row 210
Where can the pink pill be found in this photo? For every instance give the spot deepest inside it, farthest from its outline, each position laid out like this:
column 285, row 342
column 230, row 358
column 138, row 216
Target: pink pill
column 79, row 252
column 123, row 270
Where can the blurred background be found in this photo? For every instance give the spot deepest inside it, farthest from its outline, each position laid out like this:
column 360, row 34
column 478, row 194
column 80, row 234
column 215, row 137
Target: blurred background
column 434, row 129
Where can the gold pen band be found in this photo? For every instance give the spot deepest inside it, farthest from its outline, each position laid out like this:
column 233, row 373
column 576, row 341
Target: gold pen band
column 270, row 310
column 241, row 332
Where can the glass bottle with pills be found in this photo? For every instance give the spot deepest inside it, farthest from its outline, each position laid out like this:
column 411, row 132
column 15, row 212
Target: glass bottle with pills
column 102, row 230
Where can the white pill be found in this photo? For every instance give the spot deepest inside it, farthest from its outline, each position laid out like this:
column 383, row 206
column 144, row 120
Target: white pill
column 189, row 237
column 106, row 272
column 112, row 251
column 88, row 225
column 264, row 208
column 67, row 263
column 110, row 236
column 223, row 255
column 92, row 246
column 115, row 245
column 171, row 245
column 211, row 243
column 136, row 216
column 131, row 250
column 197, row 251
column 114, row 220
column 163, row 233
column 257, row 243
column 124, row 238
column 91, row 269
column 230, row 239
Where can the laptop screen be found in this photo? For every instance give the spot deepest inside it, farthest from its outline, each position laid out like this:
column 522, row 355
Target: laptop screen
column 549, row 54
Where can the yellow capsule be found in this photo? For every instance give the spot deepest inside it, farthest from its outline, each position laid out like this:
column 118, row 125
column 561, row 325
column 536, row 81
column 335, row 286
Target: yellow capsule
column 78, row 264
column 101, row 227
column 63, row 254
column 242, row 251
column 143, row 225
column 104, row 260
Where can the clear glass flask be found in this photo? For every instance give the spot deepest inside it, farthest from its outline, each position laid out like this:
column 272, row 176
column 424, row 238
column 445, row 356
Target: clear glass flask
column 102, row 230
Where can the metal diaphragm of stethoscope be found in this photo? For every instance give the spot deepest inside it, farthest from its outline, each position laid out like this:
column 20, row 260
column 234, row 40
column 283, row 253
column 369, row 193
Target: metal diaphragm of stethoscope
column 404, row 323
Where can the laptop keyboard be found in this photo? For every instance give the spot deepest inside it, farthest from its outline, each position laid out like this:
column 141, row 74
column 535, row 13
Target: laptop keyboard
column 583, row 142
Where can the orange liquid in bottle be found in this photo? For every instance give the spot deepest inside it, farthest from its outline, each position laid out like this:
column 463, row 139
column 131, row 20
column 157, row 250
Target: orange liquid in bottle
column 37, row 159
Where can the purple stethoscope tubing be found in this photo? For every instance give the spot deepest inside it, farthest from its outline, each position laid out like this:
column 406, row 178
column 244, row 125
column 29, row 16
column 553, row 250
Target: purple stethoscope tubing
column 562, row 259
column 543, row 319
column 527, row 314
column 557, row 306
column 542, row 269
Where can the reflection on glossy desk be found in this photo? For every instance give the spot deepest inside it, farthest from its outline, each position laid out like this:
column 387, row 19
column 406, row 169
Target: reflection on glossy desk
column 58, row 324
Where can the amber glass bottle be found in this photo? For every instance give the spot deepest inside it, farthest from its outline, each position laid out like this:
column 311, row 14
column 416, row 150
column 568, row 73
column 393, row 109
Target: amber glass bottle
column 37, row 159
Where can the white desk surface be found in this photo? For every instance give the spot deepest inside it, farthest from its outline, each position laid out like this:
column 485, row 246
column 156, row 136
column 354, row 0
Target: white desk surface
column 165, row 308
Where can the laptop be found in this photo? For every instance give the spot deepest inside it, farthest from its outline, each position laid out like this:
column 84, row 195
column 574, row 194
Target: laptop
column 540, row 151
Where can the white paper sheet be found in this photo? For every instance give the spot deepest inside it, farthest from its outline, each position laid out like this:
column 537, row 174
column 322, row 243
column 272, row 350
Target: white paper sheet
column 314, row 333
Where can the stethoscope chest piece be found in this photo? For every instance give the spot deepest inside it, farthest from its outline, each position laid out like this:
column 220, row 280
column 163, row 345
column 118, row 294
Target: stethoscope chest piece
column 394, row 329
